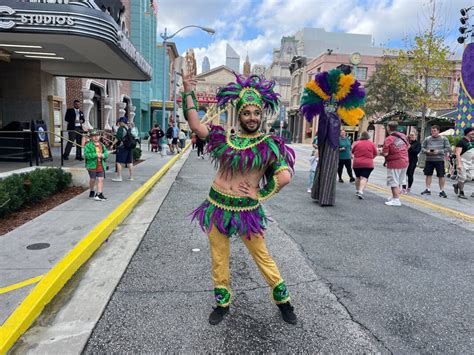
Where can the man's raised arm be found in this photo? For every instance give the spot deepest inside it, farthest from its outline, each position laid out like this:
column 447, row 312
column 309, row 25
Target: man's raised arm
column 190, row 106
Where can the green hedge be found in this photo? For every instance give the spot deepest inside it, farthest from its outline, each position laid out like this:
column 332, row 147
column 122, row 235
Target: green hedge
column 19, row 189
column 137, row 153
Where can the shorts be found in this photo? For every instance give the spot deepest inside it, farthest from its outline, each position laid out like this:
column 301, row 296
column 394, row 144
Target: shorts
column 96, row 174
column 124, row 156
column 430, row 166
column 362, row 172
column 170, row 141
column 465, row 173
column 396, row 177
column 175, row 141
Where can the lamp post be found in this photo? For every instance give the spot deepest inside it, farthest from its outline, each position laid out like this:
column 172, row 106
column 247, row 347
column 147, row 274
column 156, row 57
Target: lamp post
column 165, row 38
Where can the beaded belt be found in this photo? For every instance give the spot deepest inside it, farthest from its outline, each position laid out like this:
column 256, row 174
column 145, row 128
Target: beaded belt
column 231, row 202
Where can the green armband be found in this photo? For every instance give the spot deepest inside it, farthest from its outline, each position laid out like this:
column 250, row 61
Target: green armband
column 184, row 95
column 269, row 190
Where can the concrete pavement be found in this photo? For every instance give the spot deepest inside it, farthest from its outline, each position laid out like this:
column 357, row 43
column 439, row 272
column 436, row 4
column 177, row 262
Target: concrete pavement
column 56, row 232
column 358, row 285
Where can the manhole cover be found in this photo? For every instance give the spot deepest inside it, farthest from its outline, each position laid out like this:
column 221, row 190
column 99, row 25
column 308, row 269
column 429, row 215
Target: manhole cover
column 38, row 246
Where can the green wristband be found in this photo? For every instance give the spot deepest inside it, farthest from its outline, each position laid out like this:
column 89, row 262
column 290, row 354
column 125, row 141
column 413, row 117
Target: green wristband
column 184, row 95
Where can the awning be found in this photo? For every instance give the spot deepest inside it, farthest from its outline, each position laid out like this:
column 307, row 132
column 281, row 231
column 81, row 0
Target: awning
column 70, row 40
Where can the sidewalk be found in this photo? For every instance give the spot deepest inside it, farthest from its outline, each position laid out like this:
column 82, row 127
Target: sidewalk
column 57, row 231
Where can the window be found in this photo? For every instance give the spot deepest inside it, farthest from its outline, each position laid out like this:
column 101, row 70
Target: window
column 361, row 73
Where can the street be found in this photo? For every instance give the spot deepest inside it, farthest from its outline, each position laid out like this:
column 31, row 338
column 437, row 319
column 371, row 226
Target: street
column 364, row 277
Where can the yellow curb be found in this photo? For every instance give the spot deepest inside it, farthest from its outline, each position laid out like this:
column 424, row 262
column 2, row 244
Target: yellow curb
column 445, row 210
column 52, row 282
column 20, row 284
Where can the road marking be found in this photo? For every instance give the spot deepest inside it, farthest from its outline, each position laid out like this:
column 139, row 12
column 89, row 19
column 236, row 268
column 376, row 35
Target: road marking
column 53, row 281
column 20, row 284
column 418, row 201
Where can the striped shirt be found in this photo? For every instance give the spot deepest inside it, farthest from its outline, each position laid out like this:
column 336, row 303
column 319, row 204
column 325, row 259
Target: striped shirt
column 440, row 143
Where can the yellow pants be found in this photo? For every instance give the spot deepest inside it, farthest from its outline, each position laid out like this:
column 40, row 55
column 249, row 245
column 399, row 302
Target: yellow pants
column 220, row 253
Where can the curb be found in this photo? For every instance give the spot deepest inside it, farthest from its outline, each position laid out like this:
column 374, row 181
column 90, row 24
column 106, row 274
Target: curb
column 52, row 282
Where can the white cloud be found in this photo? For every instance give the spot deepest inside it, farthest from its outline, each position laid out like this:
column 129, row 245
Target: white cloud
column 388, row 21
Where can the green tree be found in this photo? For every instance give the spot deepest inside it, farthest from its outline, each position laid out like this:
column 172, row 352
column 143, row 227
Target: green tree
column 427, row 59
column 389, row 88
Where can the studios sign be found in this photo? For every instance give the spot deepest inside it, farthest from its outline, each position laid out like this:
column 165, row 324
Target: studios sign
column 7, row 20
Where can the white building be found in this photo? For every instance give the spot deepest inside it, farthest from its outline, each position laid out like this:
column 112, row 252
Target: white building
column 232, row 59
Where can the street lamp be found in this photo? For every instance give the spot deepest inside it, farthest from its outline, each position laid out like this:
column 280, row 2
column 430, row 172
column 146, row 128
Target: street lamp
column 165, row 38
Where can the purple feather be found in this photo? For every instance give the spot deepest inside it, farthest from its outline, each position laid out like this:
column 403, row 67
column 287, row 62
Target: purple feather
column 322, row 81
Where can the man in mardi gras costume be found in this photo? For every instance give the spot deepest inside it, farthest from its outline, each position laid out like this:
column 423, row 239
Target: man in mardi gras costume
column 333, row 95
column 252, row 167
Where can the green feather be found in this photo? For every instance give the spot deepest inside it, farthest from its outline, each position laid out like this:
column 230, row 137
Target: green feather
column 333, row 79
column 309, row 98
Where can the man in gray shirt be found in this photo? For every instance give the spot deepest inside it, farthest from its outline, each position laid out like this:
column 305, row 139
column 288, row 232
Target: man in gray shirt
column 435, row 147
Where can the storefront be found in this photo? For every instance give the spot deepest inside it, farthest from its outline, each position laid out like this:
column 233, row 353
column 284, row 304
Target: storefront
column 42, row 42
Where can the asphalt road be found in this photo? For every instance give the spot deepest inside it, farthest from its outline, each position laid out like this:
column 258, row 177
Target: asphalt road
column 364, row 277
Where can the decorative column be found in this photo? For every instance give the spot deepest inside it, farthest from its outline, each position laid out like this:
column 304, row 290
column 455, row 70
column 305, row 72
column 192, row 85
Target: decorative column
column 122, row 106
column 107, row 113
column 132, row 113
column 87, row 105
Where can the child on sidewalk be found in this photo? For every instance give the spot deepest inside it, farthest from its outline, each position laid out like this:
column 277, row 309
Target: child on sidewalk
column 313, row 160
column 95, row 153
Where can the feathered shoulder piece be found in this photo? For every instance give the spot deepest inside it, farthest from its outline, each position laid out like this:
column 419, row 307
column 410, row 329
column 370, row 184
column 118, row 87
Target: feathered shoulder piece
column 254, row 90
column 334, row 88
column 235, row 153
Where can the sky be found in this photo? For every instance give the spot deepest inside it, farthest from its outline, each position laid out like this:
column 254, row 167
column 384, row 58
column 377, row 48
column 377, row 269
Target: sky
column 256, row 27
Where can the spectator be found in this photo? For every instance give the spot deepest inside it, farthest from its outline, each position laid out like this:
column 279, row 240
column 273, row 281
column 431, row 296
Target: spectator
column 175, row 138
column 436, row 147
column 344, row 156
column 200, row 143
column 182, row 139
column 96, row 153
column 413, row 151
column 156, row 134
column 395, row 151
column 312, row 171
column 169, row 138
column 124, row 146
column 193, row 140
column 75, row 119
column 464, row 154
column 364, row 152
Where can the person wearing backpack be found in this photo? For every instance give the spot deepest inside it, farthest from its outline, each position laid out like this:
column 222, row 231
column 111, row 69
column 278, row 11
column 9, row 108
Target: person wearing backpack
column 124, row 143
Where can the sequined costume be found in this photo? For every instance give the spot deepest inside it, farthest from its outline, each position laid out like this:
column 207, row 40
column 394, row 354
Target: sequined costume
column 223, row 215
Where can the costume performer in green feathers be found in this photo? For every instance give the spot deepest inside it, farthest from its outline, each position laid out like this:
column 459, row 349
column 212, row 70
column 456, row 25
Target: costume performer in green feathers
column 252, row 167
column 332, row 95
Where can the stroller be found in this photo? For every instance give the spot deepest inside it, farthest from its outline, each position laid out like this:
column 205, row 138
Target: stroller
column 451, row 167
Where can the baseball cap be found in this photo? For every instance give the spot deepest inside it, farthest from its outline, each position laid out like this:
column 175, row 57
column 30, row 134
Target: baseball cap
column 123, row 119
column 94, row 132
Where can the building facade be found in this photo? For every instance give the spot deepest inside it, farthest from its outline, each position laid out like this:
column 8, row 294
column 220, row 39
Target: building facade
column 232, row 59
column 45, row 43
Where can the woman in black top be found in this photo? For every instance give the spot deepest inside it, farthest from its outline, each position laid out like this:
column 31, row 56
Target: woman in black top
column 413, row 151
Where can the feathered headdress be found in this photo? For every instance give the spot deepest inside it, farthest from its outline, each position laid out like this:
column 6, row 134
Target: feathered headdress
column 334, row 88
column 254, row 90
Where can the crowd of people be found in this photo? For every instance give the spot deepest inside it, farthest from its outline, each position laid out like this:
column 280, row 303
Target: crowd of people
column 401, row 159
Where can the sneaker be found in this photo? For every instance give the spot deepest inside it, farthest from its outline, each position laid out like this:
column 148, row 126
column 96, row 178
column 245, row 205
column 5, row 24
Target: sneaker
column 393, row 202
column 340, row 180
column 461, row 195
column 308, row 191
column 217, row 314
column 101, row 197
column 202, row 157
column 456, row 189
column 408, row 190
column 117, row 179
column 91, row 194
column 352, row 179
column 403, row 191
column 360, row 195
column 472, row 195
column 443, row 194
column 426, row 192
column 287, row 313
column 130, row 179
